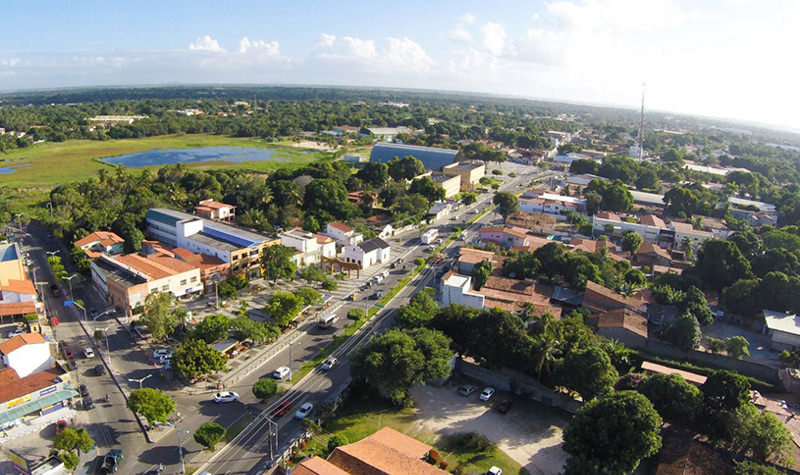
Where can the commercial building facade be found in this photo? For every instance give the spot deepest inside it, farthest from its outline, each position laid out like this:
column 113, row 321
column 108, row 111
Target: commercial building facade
column 470, row 172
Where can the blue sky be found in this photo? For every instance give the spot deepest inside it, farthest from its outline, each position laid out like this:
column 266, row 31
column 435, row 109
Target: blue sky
column 727, row 58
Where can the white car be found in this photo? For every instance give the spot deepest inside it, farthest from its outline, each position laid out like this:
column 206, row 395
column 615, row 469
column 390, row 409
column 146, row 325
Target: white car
column 161, row 353
column 328, row 363
column 281, row 372
column 487, row 393
column 16, row 332
column 225, row 396
column 304, row 411
column 164, row 359
column 88, row 353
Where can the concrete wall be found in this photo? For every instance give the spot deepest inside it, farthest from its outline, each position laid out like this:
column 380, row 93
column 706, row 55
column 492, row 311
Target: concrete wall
column 29, row 359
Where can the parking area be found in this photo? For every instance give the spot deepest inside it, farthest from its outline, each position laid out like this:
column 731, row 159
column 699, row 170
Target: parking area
column 530, row 433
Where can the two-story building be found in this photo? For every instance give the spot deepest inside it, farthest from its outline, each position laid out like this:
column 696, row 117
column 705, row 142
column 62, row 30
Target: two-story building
column 23, row 399
column 101, row 242
column 310, row 247
column 17, row 297
column 343, row 234
column 215, row 210
column 451, row 184
column 368, row 253
column 505, row 236
column 470, row 172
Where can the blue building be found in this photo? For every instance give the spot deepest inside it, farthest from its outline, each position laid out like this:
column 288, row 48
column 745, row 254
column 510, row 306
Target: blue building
column 432, row 158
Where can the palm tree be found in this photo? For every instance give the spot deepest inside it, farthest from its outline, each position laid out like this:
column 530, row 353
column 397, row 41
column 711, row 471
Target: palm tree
column 547, row 352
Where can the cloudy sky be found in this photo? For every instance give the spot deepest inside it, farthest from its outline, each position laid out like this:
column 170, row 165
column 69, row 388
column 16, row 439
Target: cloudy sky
column 726, row 58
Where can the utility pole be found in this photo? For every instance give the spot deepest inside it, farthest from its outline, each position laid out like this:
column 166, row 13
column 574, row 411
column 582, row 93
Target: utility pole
column 69, row 280
column 180, row 447
column 640, row 138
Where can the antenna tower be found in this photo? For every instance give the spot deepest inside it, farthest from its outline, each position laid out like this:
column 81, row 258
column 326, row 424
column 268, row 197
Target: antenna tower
column 640, row 137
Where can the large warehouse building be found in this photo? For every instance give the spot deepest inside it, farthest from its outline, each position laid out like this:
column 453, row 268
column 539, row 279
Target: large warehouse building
column 432, row 158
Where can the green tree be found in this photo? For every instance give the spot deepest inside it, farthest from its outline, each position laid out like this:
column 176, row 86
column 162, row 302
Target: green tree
column 743, row 297
column 153, row 404
column 631, row 242
column 158, row 315
column 328, row 196
column 283, row 307
column 260, row 332
column 747, row 467
column 507, row 203
column 588, row 372
column 194, row 358
column 308, row 296
column 523, row 266
column 70, row 439
column 265, row 388
column 684, row 333
column 70, row 460
column 374, row 174
column 481, row 273
column 336, row 440
column 396, row 360
column 760, row 434
column 417, row 313
column 675, row 399
column 648, row 180
column 681, row 202
column 467, row 198
column 736, row 346
column 213, row 328
column 209, row 434
column 426, row 187
column 406, row 168
column 720, row 264
column 612, row 433
column 724, row 392
column 276, row 262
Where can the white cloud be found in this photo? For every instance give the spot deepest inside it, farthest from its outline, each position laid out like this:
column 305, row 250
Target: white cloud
column 494, row 37
column 395, row 55
column 460, row 34
column 10, row 63
column 326, row 39
column 468, row 18
column 271, row 48
column 403, row 53
column 359, row 48
column 206, row 43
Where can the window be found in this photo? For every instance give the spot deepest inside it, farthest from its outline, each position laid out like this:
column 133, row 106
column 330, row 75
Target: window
column 194, row 279
column 183, row 282
column 165, row 287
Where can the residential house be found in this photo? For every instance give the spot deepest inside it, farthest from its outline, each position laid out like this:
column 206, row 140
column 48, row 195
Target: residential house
column 468, row 257
column 26, row 354
column 11, row 267
column 238, row 247
column 385, row 134
column 506, row 236
column 622, row 325
column 386, row 452
column 368, row 253
column 215, row 210
column 470, row 172
column 25, row 398
column 17, row 298
column 451, row 184
column 345, row 129
column 652, row 229
column 754, row 212
column 310, row 247
column 101, row 242
column 440, row 210
column 783, row 330
column 343, row 234
column 685, row 232
column 650, row 254
column 432, row 158
column 508, row 294
column 127, row 280
column 212, row 269
column 532, row 243
column 382, row 224
column 601, row 299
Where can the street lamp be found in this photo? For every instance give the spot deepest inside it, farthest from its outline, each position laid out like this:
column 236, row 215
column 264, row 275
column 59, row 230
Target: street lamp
column 108, row 349
column 180, row 447
column 140, row 380
column 53, row 253
column 69, row 279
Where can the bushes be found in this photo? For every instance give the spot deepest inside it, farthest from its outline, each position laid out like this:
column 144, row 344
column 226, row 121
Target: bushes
column 356, row 314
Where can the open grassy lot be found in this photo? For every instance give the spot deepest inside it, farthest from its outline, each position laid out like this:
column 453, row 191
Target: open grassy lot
column 48, row 164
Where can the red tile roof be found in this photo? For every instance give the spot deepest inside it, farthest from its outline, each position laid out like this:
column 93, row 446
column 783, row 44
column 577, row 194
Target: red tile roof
column 18, row 341
column 99, row 236
column 650, row 248
column 157, row 266
column 623, row 318
column 28, row 384
column 17, row 308
column 608, row 215
column 341, row 227
column 19, row 287
column 214, row 204
column 601, row 299
column 317, row 466
column 198, row 260
column 652, row 220
column 512, row 230
column 386, row 454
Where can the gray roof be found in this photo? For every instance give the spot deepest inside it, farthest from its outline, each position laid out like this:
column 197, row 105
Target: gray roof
column 432, row 158
column 233, row 234
column 649, row 198
column 8, row 252
column 373, row 244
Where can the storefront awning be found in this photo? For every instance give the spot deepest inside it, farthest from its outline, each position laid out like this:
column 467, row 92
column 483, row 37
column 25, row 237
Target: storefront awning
column 34, row 406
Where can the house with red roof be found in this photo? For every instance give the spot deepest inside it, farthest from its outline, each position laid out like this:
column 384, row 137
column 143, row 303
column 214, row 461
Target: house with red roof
column 602, row 299
column 622, row 325
column 505, row 236
column 17, row 297
column 101, row 242
column 215, row 210
column 343, row 234
column 26, row 354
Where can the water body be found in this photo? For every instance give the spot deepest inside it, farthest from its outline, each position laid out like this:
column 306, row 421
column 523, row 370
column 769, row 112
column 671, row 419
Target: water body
column 191, row 155
column 6, row 170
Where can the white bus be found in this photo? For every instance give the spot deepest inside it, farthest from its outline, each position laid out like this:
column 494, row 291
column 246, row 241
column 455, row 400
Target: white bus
column 327, row 321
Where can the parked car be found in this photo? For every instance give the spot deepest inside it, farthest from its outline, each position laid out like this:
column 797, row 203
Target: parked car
column 281, row 409
column 13, row 333
column 61, row 424
column 304, row 411
column 161, row 352
column 99, row 370
column 487, row 393
column 225, row 396
column 495, row 471
column 54, row 290
column 111, row 461
column 88, row 403
column 83, row 390
column 467, row 389
column 504, row 407
column 162, row 360
column 88, row 353
column 66, row 351
column 376, row 296
column 281, row 372
column 328, row 363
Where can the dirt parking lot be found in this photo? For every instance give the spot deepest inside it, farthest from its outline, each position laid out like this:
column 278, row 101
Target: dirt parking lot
column 530, row 433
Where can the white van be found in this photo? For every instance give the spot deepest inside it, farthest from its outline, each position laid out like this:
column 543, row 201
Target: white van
column 327, row 321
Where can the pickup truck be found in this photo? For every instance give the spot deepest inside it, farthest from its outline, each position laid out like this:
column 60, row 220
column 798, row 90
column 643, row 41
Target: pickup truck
column 111, row 461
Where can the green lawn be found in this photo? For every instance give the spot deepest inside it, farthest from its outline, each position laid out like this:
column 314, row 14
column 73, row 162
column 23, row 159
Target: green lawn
column 364, row 413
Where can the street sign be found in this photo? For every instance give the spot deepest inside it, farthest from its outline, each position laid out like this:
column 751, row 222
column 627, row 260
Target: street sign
column 69, row 303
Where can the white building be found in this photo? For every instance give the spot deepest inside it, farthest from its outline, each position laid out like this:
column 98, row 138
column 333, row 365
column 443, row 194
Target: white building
column 26, row 354
column 441, row 209
column 341, row 233
column 457, row 288
column 368, row 253
column 550, row 203
column 310, row 247
column 783, row 329
column 653, row 229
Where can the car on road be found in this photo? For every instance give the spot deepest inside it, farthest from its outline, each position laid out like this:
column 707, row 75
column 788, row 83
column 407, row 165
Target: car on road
column 376, row 296
column 13, row 333
column 504, row 406
column 328, row 363
column 161, row 352
column 99, row 370
column 466, row 390
column 162, row 360
column 487, row 393
column 88, row 403
column 83, row 390
column 88, row 353
column 225, row 396
column 281, row 372
column 111, row 461
column 281, row 409
column 304, row 411
column 54, row 290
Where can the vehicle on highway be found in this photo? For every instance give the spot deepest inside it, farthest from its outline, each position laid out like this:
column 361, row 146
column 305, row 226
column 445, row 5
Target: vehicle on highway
column 281, row 409
column 328, row 363
column 378, row 279
column 504, row 407
column 376, row 296
column 467, row 389
column 281, row 372
column 111, row 461
column 304, row 411
column 159, row 353
column 13, row 333
column 463, row 235
column 327, row 321
column 99, row 370
column 66, row 351
column 226, row 396
column 88, row 353
column 83, row 390
column 487, row 393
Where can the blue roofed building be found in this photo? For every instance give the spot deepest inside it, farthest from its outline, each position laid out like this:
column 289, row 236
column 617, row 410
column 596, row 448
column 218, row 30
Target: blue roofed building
column 237, row 246
column 432, row 158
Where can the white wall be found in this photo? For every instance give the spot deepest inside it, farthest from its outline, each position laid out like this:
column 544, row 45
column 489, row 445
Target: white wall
column 461, row 295
column 29, row 358
column 178, row 284
column 187, row 228
column 16, row 297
